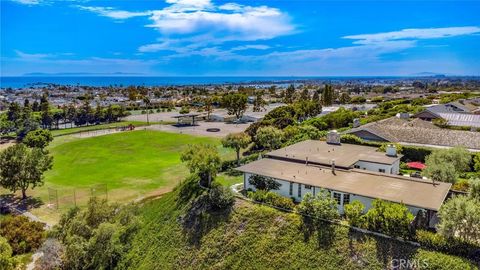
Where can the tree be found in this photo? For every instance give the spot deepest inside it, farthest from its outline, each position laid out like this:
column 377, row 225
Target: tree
column 327, row 95
column 289, row 94
column 71, row 113
column 272, row 90
column 269, row 137
column 320, row 207
column 460, row 217
column 22, row 167
column 47, row 118
column 236, row 141
column 390, row 218
column 443, row 172
column 184, row 110
column 263, row 183
column 235, row 103
column 259, row 103
column 446, row 164
column 39, row 138
column 305, row 95
column 353, row 212
column 147, row 102
column 344, row 98
column 202, row 159
column 208, row 105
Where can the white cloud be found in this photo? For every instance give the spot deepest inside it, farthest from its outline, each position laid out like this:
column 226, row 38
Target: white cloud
column 113, row 13
column 183, row 21
column 250, row 47
column 248, row 23
column 28, row 2
column 31, row 56
column 414, row 34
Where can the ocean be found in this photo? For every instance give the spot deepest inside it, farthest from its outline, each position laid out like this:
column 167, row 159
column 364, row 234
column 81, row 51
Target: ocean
column 27, row 81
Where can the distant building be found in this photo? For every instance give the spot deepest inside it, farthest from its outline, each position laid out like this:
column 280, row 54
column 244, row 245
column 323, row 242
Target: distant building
column 455, row 113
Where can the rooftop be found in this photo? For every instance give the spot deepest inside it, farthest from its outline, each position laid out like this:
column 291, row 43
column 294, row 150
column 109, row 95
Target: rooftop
column 419, row 132
column 417, row 193
column 320, row 152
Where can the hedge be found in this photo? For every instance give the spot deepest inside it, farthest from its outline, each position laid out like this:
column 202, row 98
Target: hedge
column 271, row 198
column 230, row 164
column 454, row 246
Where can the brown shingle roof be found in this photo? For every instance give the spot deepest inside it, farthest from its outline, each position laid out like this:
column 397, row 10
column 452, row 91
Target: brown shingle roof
column 418, row 193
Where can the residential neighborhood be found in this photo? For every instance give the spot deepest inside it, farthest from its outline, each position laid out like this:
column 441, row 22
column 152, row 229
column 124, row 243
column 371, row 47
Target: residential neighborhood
column 239, row 135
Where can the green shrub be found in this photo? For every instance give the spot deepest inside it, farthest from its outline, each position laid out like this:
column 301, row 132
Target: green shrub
column 7, row 262
column 454, row 246
column 390, row 218
column 352, row 139
column 22, row 234
column 271, row 198
column 353, row 212
column 461, row 185
column 220, row 197
column 428, row 260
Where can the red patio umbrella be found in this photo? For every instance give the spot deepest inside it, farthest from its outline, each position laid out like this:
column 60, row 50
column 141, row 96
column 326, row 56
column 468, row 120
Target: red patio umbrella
column 416, row 165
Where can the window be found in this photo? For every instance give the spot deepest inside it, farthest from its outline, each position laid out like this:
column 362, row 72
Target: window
column 346, row 198
column 308, row 187
column 299, row 190
column 290, row 192
column 381, row 170
column 337, row 197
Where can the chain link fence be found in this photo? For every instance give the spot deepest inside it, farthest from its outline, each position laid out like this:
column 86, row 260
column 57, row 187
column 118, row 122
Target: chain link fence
column 67, row 198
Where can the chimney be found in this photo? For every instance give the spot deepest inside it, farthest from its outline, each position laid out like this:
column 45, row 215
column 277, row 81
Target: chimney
column 333, row 166
column 391, row 150
column 356, row 123
column 333, row 137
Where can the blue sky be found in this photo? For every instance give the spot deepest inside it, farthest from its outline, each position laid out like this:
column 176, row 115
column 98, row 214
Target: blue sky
column 240, row 38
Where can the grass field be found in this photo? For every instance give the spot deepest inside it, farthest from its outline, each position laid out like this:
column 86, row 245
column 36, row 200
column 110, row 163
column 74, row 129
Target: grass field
column 132, row 164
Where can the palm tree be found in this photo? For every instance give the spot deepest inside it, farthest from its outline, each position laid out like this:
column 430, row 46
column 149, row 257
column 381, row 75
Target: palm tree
column 146, row 100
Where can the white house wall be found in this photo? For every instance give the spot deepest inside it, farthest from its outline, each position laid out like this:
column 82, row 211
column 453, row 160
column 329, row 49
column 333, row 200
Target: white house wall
column 375, row 167
column 284, row 190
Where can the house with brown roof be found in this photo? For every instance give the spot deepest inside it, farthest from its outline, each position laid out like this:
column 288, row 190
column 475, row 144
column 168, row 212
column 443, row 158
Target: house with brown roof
column 349, row 172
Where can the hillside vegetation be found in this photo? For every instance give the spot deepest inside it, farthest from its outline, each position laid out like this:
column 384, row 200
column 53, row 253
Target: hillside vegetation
column 251, row 236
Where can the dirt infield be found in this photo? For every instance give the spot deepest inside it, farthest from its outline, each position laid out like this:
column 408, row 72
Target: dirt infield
column 201, row 129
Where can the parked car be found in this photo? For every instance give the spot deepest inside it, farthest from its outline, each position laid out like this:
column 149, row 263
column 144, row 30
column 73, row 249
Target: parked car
column 416, row 175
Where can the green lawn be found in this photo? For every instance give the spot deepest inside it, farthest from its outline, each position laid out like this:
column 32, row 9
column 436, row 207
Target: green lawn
column 227, row 180
column 132, row 164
